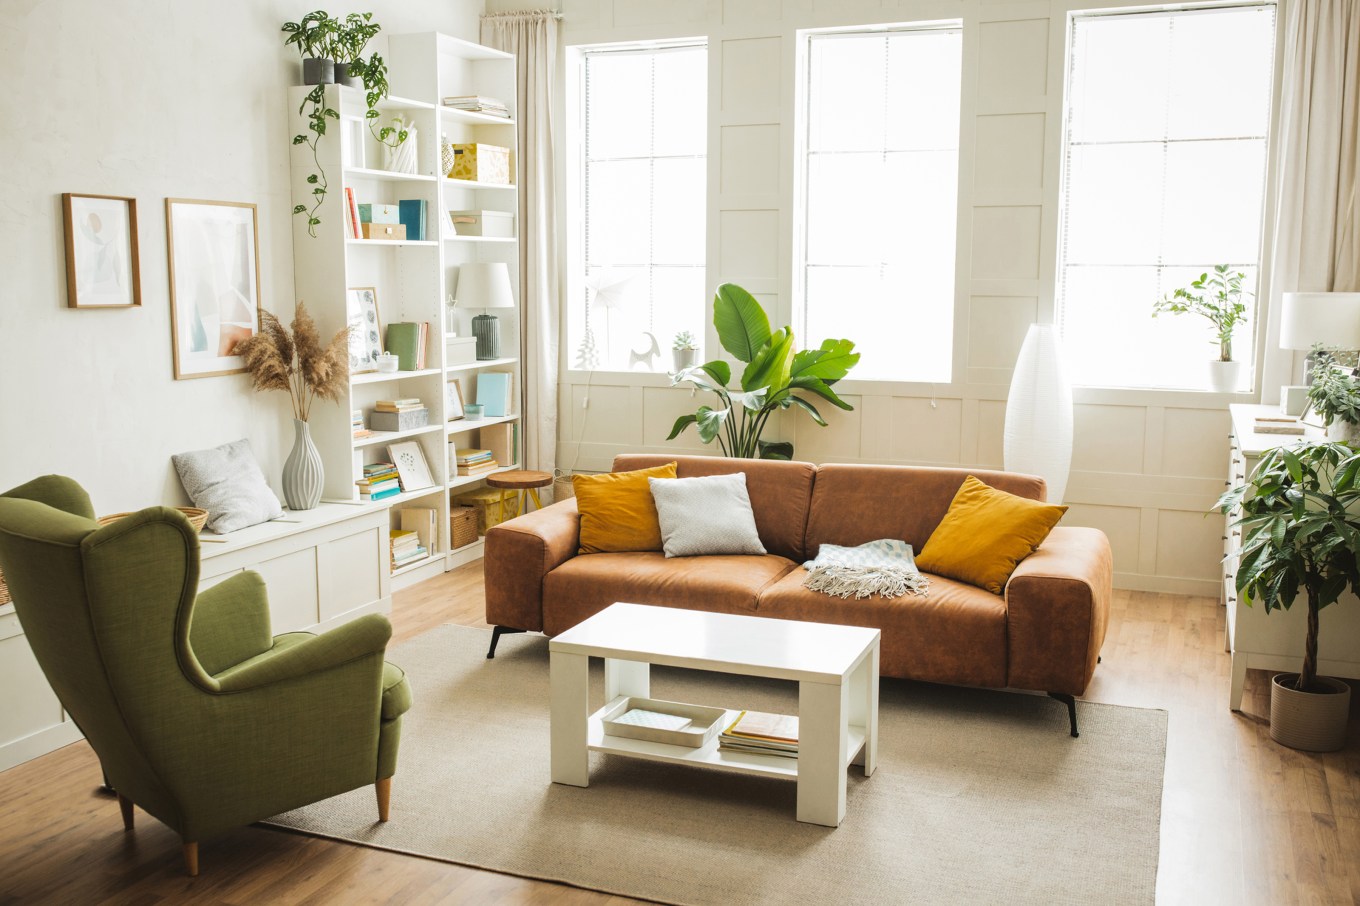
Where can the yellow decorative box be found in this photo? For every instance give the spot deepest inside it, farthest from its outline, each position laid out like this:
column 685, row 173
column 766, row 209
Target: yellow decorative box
column 481, row 163
column 493, row 506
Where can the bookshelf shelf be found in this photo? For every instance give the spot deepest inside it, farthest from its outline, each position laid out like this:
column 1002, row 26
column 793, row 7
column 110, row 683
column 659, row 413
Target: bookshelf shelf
column 467, row 239
column 372, row 173
column 453, row 115
column 408, row 496
column 378, row 377
column 413, row 565
column 484, row 363
column 464, row 481
column 463, row 426
column 427, row 243
column 386, row 437
column 450, row 183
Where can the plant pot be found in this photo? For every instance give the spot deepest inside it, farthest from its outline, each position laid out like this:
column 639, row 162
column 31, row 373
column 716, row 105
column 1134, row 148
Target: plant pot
column 302, row 471
column 318, row 71
column 1225, row 377
column 683, row 358
column 1344, row 432
column 342, row 77
column 1309, row 721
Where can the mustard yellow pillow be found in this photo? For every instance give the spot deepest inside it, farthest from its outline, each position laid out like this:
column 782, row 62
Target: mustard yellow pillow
column 985, row 535
column 617, row 510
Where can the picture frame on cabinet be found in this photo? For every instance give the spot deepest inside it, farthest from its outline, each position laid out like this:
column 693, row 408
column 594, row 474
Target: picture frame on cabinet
column 214, row 253
column 102, row 267
column 453, row 401
column 365, row 329
column 413, row 470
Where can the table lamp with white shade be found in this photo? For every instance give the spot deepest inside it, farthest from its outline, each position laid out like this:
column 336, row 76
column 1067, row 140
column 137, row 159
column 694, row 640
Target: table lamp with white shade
column 485, row 285
column 1331, row 320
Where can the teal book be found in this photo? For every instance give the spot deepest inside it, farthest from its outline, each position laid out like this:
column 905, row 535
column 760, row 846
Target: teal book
column 403, row 341
column 412, row 213
column 493, row 392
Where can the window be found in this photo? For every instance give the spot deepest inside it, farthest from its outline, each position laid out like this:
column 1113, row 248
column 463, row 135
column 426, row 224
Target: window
column 1165, row 162
column 638, row 251
column 880, row 197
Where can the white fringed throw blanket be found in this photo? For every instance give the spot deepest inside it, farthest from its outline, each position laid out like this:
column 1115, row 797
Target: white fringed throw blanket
column 884, row 568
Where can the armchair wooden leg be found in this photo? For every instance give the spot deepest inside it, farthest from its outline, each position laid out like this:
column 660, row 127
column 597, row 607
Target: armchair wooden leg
column 384, row 788
column 191, row 859
column 125, row 804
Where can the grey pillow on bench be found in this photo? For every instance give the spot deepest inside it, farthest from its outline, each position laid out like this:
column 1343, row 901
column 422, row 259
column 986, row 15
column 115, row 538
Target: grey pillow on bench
column 227, row 482
column 709, row 515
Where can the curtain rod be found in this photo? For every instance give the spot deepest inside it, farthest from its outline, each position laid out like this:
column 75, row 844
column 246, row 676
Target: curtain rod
column 556, row 14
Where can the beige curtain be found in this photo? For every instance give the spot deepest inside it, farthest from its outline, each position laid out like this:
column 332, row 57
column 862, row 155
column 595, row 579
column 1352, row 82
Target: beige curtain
column 533, row 38
column 1316, row 241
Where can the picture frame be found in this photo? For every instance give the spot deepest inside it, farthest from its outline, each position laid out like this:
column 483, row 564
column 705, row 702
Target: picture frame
column 413, row 469
column 214, row 254
column 102, row 257
column 365, row 329
column 453, row 401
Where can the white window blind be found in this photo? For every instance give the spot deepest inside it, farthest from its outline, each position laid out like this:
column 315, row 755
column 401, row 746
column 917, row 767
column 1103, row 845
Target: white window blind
column 1164, row 177
column 881, row 198
column 640, row 277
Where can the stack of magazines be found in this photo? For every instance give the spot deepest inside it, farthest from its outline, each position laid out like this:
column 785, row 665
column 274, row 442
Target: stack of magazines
column 762, row 734
column 476, row 103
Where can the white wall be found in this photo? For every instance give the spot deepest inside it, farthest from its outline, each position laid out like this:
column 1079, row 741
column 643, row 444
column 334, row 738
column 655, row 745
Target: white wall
column 152, row 99
column 1147, row 465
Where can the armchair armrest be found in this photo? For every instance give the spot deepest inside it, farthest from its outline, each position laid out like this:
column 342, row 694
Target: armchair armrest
column 519, row 553
column 230, row 622
column 1057, row 608
column 368, row 635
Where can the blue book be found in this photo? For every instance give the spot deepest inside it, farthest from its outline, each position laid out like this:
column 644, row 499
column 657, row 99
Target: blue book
column 493, row 392
column 412, row 213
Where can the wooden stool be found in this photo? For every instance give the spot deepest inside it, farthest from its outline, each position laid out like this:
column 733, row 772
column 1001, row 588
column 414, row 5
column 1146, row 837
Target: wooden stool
column 525, row 481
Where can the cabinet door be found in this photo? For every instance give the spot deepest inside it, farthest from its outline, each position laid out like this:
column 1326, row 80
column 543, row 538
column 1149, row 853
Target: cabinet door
column 349, row 572
column 291, row 581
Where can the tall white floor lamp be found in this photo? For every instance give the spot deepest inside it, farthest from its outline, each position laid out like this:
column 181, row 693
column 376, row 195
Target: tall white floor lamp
column 1038, row 434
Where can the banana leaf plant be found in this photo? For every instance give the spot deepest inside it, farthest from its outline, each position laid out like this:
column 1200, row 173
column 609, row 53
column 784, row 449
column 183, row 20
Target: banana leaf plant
column 774, row 376
column 1301, row 531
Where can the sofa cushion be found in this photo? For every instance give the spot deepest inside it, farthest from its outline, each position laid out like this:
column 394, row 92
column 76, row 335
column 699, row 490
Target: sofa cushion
column 707, row 515
column 617, row 511
column 985, row 534
column 954, row 633
column 396, row 694
column 780, row 493
column 584, row 586
column 852, row 504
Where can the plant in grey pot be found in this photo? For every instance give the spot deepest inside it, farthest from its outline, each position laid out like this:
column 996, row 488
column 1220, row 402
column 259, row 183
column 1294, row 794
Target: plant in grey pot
column 314, row 37
column 684, row 351
column 296, row 361
column 773, row 377
column 1301, row 533
column 1335, row 396
column 1218, row 297
column 352, row 35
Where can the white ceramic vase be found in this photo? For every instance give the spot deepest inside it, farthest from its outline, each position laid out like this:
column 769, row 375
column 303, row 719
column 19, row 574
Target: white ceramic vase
column 302, row 471
column 1225, row 377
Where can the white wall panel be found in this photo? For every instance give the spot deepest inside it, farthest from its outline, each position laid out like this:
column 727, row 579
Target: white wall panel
column 925, row 430
column 749, row 246
column 1010, row 153
column 1195, row 442
column 1189, row 545
column 1006, row 242
column 1001, row 325
column 750, row 160
column 1112, row 438
column 1013, row 60
column 752, row 77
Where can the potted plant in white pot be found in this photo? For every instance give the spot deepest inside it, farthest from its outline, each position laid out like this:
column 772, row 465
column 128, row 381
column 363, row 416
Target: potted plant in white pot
column 1335, row 396
column 1301, row 533
column 1217, row 296
column 684, row 351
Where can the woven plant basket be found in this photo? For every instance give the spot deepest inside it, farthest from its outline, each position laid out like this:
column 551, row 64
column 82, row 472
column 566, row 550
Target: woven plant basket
column 462, row 526
column 4, row 590
column 562, row 488
column 197, row 517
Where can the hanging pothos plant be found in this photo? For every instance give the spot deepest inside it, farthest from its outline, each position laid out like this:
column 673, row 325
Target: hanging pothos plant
column 342, row 40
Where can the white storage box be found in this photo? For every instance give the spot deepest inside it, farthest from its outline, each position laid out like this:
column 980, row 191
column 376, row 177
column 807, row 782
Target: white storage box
column 498, row 224
column 461, row 350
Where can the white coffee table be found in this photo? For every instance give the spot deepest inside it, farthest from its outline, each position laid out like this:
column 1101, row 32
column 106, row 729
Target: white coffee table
column 836, row 668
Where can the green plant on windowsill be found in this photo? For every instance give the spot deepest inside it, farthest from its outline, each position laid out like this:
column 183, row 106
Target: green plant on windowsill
column 770, row 382
column 1216, row 297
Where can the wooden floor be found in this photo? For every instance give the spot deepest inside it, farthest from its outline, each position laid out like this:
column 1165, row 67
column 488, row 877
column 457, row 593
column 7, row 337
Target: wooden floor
column 1243, row 820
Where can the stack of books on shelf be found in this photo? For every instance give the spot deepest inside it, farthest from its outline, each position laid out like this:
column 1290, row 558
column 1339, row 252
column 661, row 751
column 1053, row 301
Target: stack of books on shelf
column 762, row 734
column 356, row 422
column 399, row 415
column 379, row 481
column 476, row 103
column 406, row 548
column 407, row 340
column 475, row 462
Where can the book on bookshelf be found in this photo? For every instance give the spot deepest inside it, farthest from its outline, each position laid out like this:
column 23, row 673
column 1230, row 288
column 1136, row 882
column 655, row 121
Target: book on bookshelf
column 495, row 393
column 499, row 442
column 407, row 341
column 480, row 469
column 423, row 521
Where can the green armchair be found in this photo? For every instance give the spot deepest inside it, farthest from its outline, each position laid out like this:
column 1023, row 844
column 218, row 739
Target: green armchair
column 197, row 713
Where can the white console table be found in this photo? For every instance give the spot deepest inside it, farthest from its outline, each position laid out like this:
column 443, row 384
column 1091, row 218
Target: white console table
column 1274, row 641
column 322, row 567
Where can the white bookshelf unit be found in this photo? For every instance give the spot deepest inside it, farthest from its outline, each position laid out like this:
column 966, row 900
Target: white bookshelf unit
column 412, row 278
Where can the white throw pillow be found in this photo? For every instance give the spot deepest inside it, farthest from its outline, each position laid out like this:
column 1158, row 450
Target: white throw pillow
column 227, row 482
column 710, row 515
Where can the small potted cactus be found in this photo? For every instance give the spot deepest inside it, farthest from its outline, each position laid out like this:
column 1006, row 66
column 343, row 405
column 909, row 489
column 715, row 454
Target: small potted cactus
column 684, row 351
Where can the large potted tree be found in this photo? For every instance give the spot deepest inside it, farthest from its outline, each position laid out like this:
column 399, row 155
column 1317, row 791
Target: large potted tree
column 1301, row 534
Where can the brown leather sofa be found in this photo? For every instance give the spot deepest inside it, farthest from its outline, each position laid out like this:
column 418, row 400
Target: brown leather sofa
column 1044, row 633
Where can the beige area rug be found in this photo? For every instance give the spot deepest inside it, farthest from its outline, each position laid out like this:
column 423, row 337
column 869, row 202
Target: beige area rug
column 979, row 796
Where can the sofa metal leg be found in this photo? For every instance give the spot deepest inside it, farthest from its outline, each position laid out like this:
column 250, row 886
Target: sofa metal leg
column 496, row 633
column 1071, row 708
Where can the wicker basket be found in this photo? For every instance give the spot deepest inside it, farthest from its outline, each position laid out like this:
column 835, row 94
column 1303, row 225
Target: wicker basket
column 462, row 526
column 4, row 590
column 197, row 518
column 562, row 488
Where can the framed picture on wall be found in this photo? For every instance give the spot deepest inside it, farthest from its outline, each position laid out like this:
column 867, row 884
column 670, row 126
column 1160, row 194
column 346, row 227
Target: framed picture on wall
column 365, row 329
column 102, row 269
column 453, row 401
column 412, row 468
column 214, row 253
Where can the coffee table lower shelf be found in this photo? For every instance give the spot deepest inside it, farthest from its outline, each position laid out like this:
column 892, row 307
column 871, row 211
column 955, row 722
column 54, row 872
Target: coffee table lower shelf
column 708, row 755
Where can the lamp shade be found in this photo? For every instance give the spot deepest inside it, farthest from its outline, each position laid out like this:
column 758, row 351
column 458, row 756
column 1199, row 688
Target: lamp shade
column 1038, row 434
column 1332, row 319
column 485, row 285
